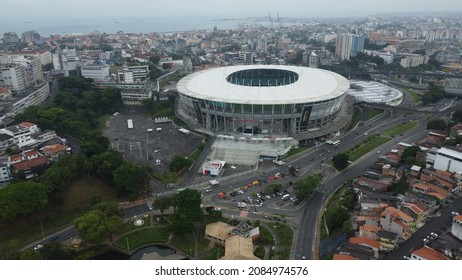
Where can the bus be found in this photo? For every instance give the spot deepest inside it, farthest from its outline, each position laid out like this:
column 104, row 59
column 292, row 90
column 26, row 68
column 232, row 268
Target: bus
column 333, row 143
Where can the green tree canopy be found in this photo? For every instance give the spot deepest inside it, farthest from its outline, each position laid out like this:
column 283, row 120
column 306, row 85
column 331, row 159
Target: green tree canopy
column 179, row 162
column 340, row 160
column 97, row 225
column 437, row 124
column 19, row 200
column 304, row 188
column 127, row 178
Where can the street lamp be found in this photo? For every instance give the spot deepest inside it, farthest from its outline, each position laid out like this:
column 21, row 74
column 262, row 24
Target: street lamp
column 128, row 245
column 41, row 227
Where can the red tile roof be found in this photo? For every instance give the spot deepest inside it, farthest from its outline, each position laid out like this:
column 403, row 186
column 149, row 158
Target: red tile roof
column 458, row 218
column 429, row 254
column 342, row 257
column 365, row 241
column 30, row 153
column 28, row 164
column 27, row 124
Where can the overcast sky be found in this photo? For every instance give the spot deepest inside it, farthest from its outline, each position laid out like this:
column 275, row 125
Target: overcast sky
column 218, row 8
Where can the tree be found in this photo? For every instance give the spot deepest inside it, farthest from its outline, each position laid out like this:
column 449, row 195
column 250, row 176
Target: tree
column 188, row 211
column 409, row 155
column 437, row 124
column 178, row 163
column 304, row 188
column 340, row 161
column 19, row 200
column 98, row 224
column 57, row 251
column 30, row 254
column 162, row 203
column 457, row 116
column 127, row 178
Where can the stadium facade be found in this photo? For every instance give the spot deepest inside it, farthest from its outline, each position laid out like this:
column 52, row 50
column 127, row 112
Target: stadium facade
column 263, row 98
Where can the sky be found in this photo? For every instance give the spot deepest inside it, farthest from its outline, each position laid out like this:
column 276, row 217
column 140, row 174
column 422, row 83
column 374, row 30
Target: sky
column 218, row 8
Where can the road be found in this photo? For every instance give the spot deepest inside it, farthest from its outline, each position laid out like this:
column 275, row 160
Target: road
column 433, row 225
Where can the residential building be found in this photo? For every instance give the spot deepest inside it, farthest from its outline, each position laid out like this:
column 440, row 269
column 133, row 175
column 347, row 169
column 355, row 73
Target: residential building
column 426, row 253
column 13, row 77
column 357, row 44
column 387, row 239
column 5, row 174
column 313, row 61
column 396, row 221
column 343, row 46
column 456, row 228
column 6, row 141
column 21, row 133
column 30, row 37
column 135, row 96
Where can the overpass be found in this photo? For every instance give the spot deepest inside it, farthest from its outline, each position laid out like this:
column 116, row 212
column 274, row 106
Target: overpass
column 408, row 110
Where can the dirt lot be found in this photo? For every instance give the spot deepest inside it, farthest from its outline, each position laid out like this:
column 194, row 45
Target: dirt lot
column 155, row 148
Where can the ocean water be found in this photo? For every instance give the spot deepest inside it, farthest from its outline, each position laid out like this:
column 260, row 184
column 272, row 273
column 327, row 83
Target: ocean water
column 47, row 27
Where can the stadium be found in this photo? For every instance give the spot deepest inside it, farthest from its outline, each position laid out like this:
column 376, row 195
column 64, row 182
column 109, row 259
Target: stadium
column 267, row 99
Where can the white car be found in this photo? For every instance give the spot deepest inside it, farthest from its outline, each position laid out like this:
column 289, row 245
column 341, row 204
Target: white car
column 434, row 235
column 39, row 246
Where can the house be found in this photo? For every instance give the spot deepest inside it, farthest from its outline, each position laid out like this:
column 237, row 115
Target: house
column 415, row 170
column 396, row 221
column 426, row 253
column 239, row 248
column 53, row 151
column 343, row 257
column 372, row 244
column 356, row 251
column 392, row 159
column 372, row 184
column 416, row 211
column 6, row 141
column 387, row 240
column 369, row 231
column 218, row 231
column 30, row 166
column 5, row 174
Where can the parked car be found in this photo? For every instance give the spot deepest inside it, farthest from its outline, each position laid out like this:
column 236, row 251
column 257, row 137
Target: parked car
column 434, row 235
column 39, row 246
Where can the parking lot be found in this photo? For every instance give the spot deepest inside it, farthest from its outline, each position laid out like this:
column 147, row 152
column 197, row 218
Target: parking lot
column 155, row 147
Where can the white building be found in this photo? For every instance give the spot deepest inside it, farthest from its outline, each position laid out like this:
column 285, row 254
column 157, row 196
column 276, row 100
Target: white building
column 375, row 92
column 413, row 60
column 313, row 61
column 96, row 72
column 456, row 228
column 448, row 160
column 133, row 74
column 13, row 77
column 343, row 46
column 5, row 174
column 21, row 133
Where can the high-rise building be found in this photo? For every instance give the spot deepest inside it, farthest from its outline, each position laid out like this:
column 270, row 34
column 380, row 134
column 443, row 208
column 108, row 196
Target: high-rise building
column 30, row 36
column 10, row 38
column 13, row 77
column 357, row 44
column 343, row 46
column 313, row 60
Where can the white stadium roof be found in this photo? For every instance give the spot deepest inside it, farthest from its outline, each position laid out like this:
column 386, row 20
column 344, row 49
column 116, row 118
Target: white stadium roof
column 312, row 85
